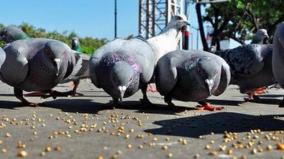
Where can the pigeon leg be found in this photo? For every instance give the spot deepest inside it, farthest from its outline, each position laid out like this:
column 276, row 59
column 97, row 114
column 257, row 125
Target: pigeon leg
column 168, row 100
column 145, row 100
column 207, row 106
column 76, row 84
column 151, row 88
column 19, row 94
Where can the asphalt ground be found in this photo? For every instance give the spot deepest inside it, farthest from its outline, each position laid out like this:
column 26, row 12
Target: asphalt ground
column 89, row 127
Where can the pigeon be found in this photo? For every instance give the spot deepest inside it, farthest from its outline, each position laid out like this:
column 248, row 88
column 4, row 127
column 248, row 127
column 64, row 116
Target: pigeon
column 250, row 66
column 75, row 44
column 124, row 66
column 40, row 65
column 260, row 37
column 81, row 69
column 191, row 75
column 12, row 33
column 278, row 56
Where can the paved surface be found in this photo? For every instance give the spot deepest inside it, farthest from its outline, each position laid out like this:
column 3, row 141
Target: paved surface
column 88, row 127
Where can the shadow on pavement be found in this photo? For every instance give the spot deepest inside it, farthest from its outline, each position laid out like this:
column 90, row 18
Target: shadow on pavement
column 218, row 123
column 89, row 106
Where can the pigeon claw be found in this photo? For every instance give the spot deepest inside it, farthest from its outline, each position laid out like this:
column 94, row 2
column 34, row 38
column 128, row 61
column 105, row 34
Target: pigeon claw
column 209, row 107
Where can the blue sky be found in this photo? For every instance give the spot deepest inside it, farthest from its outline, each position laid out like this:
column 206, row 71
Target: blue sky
column 86, row 17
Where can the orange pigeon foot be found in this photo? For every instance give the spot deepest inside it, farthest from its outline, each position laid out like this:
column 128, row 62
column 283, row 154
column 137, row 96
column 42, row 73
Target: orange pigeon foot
column 208, row 106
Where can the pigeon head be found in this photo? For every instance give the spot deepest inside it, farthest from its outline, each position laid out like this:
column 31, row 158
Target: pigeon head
column 122, row 76
column 261, row 35
column 279, row 35
column 179, row 22
column 75, row 44
column 12, row 33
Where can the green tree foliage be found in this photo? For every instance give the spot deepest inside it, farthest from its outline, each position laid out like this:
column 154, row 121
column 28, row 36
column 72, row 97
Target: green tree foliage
column 88, row 44
column 239, row 19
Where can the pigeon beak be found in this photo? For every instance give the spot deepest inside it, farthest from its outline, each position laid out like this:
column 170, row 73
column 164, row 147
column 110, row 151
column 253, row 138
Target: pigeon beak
column 57, row 61
column 210, row 84
column 122, row 90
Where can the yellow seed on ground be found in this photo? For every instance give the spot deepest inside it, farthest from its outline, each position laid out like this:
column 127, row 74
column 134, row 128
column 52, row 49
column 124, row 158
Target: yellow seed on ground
column 207, row 147
column 269, row 147
column 280, row 146
column 47, row 149
column 100, row 157
column 213, row 153
column 196, row 156
column 21, row 145
column 167, row 139
column 170, row 155
column 1, row 142
column 230, row 152
column 254, row 151
column 212, row 141
column 22, row 153
column 184, row 142
column 57, row 148
column 42, row 153
column 140, row 147
column 129, row 146
column 8, row 135
column 165, row 147
column 4, row 150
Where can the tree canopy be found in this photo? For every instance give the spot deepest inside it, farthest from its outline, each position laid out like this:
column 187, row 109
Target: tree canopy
column 88, row 44
column 239, row 19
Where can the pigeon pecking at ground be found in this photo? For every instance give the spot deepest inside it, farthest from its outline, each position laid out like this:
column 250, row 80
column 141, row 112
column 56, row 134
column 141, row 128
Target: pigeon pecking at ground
column 81, row 67
column 40, row 65
column 278, row 56
column 122, row 67
column 192, row 76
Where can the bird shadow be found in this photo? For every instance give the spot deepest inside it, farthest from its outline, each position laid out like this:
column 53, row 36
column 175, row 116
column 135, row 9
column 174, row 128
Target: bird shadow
column 269, row 100
column 10, row 104
column 218, row 123
column 92, row 107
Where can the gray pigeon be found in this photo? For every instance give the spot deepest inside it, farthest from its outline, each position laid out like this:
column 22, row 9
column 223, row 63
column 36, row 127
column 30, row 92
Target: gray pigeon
column 260, row 37
column 40, row 65
column 122, row 67
column 250, row 66
column 278, row 56
column 191, row 76
column 12, row 33
column 81, row 69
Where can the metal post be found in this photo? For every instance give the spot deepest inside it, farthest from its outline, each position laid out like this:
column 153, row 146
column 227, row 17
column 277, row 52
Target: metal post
column 115, row 19
column 197, row 39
